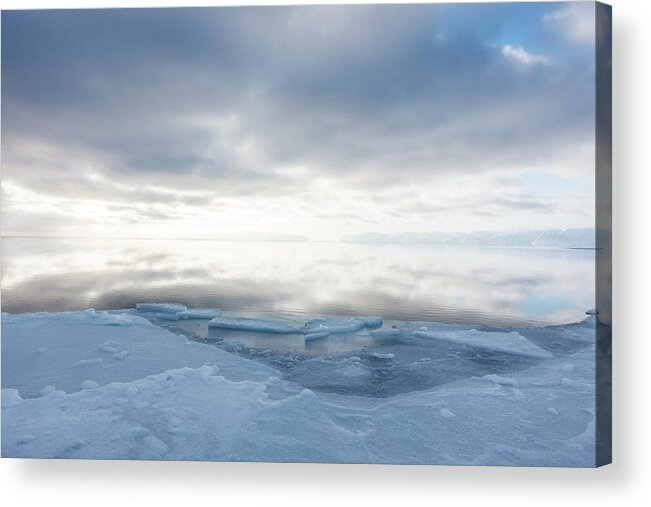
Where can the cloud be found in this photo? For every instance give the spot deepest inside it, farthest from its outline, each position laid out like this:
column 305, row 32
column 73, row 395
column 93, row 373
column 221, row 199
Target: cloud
column 574, row 21
column 214, row 115
column 521, row 56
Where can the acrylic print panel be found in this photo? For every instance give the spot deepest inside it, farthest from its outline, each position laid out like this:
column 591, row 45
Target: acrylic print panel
column 341, row 234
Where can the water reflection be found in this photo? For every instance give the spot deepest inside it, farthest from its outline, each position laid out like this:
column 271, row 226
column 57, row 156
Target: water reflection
column 401, row 282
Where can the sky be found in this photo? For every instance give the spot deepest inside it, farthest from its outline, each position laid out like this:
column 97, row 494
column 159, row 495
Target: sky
column 305, row 121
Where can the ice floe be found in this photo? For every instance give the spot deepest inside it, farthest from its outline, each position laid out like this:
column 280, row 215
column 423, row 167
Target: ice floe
column 340, row 325
column 205, row 313
column 171, row 308
column 510, row 343
column 250, row 324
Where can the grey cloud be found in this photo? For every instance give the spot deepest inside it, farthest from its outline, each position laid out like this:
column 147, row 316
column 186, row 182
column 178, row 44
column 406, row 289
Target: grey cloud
column 522, row 204
column 493, row 206
column 219, row 100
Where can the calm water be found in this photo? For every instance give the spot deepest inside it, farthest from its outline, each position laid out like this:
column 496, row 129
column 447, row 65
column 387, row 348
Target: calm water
column 495, row 286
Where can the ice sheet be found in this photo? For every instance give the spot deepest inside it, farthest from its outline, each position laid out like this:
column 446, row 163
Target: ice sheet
column 68, row 394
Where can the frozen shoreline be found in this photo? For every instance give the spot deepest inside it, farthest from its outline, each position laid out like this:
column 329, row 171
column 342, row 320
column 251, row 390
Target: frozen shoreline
column 117, row 386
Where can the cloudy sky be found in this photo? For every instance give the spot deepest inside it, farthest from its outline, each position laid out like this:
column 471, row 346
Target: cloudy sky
column 313, row 121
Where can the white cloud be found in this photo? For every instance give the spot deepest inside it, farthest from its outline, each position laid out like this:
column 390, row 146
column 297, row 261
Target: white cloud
column 520, row 55
column 575, row 22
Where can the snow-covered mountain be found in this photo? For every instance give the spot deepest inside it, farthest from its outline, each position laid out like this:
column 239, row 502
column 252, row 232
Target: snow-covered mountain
column 583, row 237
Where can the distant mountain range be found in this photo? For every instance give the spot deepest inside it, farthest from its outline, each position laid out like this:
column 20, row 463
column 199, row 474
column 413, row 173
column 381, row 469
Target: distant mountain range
column 560, row 238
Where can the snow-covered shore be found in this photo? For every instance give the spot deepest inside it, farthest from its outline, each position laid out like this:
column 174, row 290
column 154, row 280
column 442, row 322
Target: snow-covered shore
column 120, row 385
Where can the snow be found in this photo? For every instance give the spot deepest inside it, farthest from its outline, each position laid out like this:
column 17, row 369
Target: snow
column 249, row 324
column 413, row 399
column 95, row 345
column 511, row 343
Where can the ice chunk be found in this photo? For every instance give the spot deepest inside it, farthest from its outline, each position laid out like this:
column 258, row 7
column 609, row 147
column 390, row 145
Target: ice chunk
column 447, row 413
column 385, row 333
column 248, row 324
column 334, row 325
column 110, row 347
column 509, row 343
column 122, row 354
column 10, row 397
column 592, row 311
column 371, row 321
column 316, row 336
column 205, row 313
column 47, row 390
column 89, row 384
column 351, row 367
column 117, row 319
column 170, row 308
column 167, row 316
